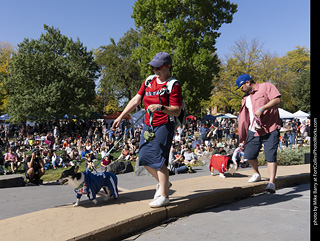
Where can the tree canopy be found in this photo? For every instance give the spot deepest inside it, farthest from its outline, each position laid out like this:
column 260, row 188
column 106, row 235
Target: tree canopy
column 187, row 30
column 287, row 73
column 50, row 77
column 6, row 51
column 120, row 79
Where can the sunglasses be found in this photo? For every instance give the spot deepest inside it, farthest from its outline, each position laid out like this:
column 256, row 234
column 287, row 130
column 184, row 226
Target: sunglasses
column 157, row 68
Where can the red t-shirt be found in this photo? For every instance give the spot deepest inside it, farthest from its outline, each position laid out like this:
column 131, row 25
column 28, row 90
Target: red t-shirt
column 151, row 96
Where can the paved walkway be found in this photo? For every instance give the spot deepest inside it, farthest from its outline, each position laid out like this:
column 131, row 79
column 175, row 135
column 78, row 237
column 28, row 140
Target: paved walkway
column 131, row 213
column 279, row 217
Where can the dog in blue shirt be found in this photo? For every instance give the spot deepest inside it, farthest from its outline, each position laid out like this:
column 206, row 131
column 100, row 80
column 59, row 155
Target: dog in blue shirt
column 90, row 183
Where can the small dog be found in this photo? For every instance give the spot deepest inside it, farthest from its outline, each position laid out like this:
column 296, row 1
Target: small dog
column 90, row 183
column 222, row 164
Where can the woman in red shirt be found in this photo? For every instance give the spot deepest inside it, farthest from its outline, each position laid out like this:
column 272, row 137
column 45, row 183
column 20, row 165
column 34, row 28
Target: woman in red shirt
column 154, row 153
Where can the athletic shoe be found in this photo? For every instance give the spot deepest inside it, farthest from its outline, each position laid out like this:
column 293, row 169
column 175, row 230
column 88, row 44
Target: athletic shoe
column 271, row 187
column 161, row 201
column 255, row 178
column 158, row 194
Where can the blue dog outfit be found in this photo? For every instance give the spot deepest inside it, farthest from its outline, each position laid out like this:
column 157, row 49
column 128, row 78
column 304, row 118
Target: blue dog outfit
column 95, row 181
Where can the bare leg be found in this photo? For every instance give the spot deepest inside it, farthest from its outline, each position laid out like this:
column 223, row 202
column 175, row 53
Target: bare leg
column 272, row 170
column 31, row 173
column 163, row 175
column 153, row 172
column 254, row 165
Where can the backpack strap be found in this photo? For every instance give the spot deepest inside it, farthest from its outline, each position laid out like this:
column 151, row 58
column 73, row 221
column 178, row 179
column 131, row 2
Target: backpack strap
column 148, row 80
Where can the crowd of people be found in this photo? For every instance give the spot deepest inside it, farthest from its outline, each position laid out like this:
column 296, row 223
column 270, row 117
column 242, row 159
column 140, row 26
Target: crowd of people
column 91, row 140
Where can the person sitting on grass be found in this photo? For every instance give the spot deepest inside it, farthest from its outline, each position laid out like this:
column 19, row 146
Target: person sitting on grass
column 11, row 159
column 91, row 158
column 57, row 161
column 125, row 154
column 106, row 160
column 189, row 157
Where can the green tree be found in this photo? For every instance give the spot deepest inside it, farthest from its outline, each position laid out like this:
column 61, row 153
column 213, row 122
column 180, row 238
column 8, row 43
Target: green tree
column 187, row 30
column 121, row 78
column 245, row 58
column 251, row 58
column 300, row 90
column 51, row 76
column 6, row 51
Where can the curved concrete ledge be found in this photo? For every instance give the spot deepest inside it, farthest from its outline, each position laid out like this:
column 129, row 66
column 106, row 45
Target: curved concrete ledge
column 131, row 213
column 12, row 180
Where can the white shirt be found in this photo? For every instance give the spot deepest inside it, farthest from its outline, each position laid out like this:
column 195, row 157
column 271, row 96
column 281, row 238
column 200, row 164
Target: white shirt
column 251, row 114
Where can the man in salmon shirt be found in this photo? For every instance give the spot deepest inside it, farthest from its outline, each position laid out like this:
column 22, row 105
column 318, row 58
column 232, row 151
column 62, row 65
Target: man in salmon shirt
column 259, row 123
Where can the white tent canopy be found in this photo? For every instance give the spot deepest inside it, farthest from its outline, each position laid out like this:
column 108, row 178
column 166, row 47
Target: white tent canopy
column 231, row 116
column 301, row 115
column 285, row 114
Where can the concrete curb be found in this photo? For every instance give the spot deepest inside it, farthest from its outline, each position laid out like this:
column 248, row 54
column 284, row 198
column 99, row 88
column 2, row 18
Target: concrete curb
column 13, row 180
column 141, row 222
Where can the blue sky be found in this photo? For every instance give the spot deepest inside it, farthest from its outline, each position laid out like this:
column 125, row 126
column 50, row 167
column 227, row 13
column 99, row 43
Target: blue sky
column 279, row 24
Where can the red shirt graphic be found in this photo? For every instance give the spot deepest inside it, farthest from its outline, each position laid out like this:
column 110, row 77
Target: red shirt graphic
column 151, row 96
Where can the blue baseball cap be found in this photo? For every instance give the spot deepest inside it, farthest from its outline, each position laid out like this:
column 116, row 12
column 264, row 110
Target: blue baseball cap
column 242, row 79
column 161, row 58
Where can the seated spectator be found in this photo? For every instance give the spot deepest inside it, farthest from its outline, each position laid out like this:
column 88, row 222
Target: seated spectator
column 56, row 160
column 35, row 167
column 84, row 153
column 87, row 144
column 106, row 160
column 125, row 154
column 189, row 157
column 177, row 138
column 65, row 159
column 177, row 163
column 238, row 156
column 11, row 159
column 91, row 158
column 219, row 149
column 49, row 140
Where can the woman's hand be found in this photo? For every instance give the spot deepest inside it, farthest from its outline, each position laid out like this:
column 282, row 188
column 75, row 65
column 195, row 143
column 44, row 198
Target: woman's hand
column 117, row 122
column 153, row 107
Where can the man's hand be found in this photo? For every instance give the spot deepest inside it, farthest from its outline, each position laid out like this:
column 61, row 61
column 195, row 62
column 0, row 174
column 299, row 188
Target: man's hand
column 258, row 113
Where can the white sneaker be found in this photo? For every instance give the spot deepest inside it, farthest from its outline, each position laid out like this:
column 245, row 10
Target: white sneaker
column 161, row 201
column 271, row 187
column 255, row 178
column 158, row 194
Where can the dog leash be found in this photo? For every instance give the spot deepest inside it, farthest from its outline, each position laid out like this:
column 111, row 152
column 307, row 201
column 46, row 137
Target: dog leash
column 130, row 126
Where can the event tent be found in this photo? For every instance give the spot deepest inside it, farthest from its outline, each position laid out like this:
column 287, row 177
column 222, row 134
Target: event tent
column 4, row 117
column 135, row 117
column 191, row 117
column 116, row 115
column 301, row 115
column 231, row 116
column 208, row 117
column 285, row 114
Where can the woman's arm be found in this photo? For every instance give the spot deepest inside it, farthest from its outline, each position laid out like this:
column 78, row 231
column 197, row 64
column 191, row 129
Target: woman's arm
column 169, row 110
column 134, row 102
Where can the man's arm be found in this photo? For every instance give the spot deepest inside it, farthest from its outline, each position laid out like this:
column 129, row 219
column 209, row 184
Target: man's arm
column 30, row 163
column 274, row 103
